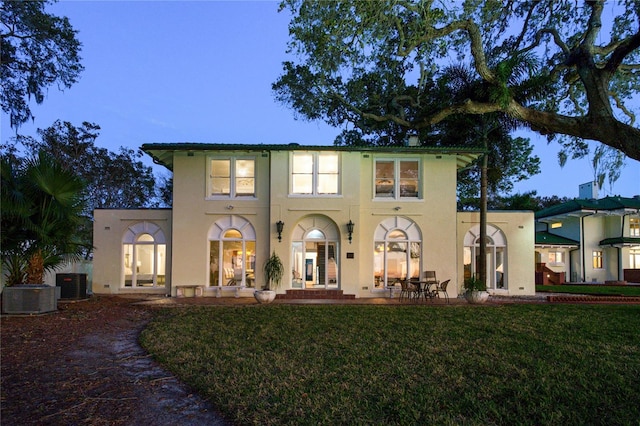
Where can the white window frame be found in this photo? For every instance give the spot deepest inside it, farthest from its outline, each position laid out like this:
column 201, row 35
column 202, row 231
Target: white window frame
column 233, row 177
column 397, row 181
column 310, row 232
column 497, row 255
column 634, row 258
column 382, row 241
column 315, row 174
column 557, row 253
column 133, row 238
column 597, row 259
column 634, row 227
column 247, row 239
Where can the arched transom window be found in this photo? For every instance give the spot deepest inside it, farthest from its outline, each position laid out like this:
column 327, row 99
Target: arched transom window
column 144, row 256
column 232, row 253
column 397, row 251
column 314, row 253
column 496, row 256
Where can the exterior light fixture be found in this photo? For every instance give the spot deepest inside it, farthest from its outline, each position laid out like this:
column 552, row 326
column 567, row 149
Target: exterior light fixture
column 279, row 228
column 350, row 226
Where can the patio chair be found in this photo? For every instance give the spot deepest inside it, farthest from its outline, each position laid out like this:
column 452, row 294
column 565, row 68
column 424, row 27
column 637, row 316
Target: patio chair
column 229, row 276
column 408, row 290
column 430, row 277
column 237, row 276
column 442, row 288
column 429, row 283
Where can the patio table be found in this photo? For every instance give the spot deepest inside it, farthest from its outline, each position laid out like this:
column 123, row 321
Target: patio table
column 424, row 288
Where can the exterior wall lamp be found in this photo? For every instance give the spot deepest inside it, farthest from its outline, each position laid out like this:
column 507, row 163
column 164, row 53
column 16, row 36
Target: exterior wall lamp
column 279, row 228
column 350, row 226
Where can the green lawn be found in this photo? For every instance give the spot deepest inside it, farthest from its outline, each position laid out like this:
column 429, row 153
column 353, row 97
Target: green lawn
column 596, row 290
column 354, row 364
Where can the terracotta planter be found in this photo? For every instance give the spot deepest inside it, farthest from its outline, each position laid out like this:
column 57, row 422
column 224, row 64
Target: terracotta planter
column 264, row 296
column 476, row 297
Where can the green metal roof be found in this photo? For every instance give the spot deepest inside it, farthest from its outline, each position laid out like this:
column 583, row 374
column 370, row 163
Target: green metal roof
column 577, row 206
column 162, row 153
column 544, row 238
column 620, row 241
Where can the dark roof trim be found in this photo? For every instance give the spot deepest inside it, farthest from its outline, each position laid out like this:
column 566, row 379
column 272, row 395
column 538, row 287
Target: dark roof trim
column 620, row 242
column 162, row 153
column 544, row 238
column 580, row 206
column 188, row 146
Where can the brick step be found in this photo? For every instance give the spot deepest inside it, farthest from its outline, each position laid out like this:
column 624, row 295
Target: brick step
column 593, row 299
column 315, row 294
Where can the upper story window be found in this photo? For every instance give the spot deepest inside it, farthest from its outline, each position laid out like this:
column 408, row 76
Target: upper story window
column 315, row 173
column 556, row 257
column 397, row 178
column 634, row 227
column 231, row 177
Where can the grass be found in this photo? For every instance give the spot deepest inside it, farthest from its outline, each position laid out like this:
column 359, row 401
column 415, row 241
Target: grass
column 596, row 290
column 352, row 364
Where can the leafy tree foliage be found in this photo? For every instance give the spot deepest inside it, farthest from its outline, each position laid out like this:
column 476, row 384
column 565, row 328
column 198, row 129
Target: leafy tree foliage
column 42, row 217
column 526, row 201
column 115, row 180
column 368, row 64
column 165, row 190
column 38, row 50
column 508, row 159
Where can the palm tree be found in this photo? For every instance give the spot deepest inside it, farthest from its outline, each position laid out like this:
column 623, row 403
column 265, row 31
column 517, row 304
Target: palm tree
column 490, row 131
column 42, row 206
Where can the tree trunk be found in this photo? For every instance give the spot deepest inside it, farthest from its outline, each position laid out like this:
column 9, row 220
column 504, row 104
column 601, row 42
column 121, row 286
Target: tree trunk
column 482, row 262
column 603, row 128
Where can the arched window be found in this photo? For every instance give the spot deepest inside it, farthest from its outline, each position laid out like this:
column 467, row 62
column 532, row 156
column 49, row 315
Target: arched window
column 496, row 256
column 144, row 256
column 232, row 253
column 397, row 251
column 314, row 253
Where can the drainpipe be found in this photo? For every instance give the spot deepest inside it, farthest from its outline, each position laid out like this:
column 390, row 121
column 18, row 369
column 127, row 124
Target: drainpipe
column 620, row 272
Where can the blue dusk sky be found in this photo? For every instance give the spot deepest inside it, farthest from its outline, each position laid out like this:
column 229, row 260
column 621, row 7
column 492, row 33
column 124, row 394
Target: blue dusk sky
column 201, row 71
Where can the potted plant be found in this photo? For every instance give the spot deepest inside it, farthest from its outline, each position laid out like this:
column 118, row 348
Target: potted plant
column 475, row 290
column 273, row 273
column 42, row 206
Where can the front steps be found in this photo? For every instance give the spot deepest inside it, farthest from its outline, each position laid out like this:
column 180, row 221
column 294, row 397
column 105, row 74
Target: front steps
column 321, row 294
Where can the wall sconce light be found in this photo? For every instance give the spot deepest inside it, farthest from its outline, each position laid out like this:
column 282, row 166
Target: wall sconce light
column 350, row 226
column 279, row 228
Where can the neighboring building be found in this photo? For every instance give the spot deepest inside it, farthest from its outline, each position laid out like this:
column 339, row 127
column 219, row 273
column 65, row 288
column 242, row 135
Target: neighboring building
column 589, row 240
column 345, row 218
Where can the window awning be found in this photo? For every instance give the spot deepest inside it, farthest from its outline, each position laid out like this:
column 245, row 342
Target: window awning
column 620, row 242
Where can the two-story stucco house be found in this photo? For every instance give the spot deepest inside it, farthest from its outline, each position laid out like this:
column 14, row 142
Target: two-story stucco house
column 589, row 240
column 355, row 220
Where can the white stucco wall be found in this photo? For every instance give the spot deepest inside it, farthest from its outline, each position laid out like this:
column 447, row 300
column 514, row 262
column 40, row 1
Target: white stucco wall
column 187, row 227
column 518, row 228
column 109, row 227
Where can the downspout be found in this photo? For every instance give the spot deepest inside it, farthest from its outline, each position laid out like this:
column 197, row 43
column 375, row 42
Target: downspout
column 620, row 271
column 582, row 245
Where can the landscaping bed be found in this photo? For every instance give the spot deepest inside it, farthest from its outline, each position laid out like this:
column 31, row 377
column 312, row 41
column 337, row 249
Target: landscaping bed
column 82, row 365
